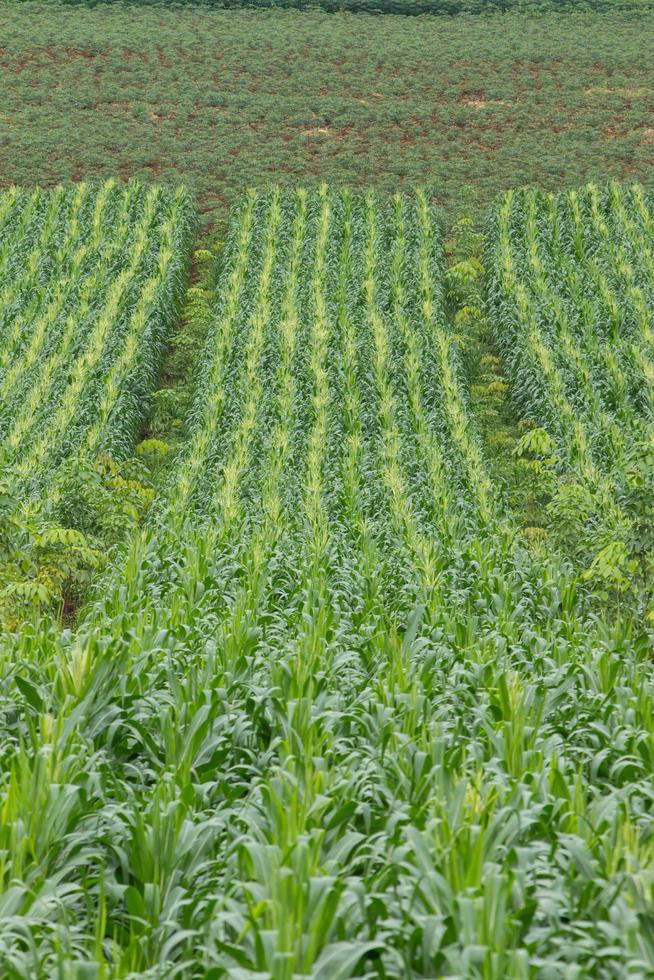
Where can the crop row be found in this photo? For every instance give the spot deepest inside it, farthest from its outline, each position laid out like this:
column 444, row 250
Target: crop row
column 91, row 282
column 329, row 718
column 571, row 291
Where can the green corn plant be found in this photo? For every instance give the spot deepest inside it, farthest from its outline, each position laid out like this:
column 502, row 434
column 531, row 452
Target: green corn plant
column 327, row 715
column 569, row 279
column 86, row 315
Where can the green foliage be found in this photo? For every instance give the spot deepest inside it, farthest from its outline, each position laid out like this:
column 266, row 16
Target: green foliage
column 103, row 498
column 50, row 555
column 92, row 280
column 173, row 399
column 484, row 371
column 328, row 716
column 537, row 443
column 40, row 563
column 571, row 284
column 406, row 7
column 227, row 99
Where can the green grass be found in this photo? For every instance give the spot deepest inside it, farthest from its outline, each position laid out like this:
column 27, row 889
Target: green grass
column 227, row 99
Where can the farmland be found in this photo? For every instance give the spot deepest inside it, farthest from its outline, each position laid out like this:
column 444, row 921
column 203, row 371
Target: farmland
column 92, row 280
column 222, row 100
column 572, row 309
column 330, row 715
column 326, row 482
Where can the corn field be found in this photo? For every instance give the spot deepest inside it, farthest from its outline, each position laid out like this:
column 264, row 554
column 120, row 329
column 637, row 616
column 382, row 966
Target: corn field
column 571, row 289
column 328, row 715
column 92, row 281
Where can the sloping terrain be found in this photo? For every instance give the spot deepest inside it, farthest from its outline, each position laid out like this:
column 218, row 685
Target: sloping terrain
column 223, row 100
column 329, row 716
